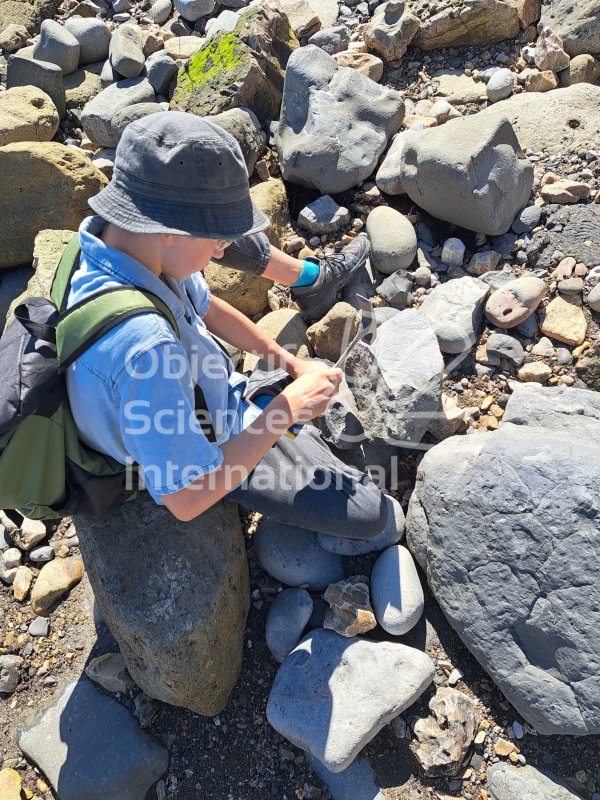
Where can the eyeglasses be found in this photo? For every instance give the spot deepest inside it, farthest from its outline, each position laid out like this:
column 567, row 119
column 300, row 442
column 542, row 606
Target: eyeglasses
column 223, row 244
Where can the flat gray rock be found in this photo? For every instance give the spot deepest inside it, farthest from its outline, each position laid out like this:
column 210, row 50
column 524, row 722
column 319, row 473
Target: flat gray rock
column 46, row 76
column 96, row 117
column 577, row 24
column 335, row 123
column 500, row 345
column 470, row 171
column 58, row 46
column 356, row 782
column 334, row 694
column 396, row 382
column 391, row 534
column 572, row 230
column 93, row 36
column 331, row 40
column 396, row 591
column 295, row 557
column 288, row 616
column 323, row 215
column 455, row 310
column 91, row 748
column 507, row 782
column 504, row 524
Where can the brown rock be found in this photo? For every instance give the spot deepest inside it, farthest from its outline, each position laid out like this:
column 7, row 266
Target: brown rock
column 514, row 303
column 365, row 63
column 180, row 48
column 22, row 583
column 13, row 37
column 55, row 580
column 286, row 327
column 10, row 784
column 331, row 334
column 350, row 611
column 247, row 293
column 27, row 115
column 445, row 737
column 42, row 185
column 582, row 69
column 529, row 12
column 564, row 320
column 565, row 191
column 83, row 85
column 448, row 419
column 540, row 81
column 391, row 30
column 504, row 748
column 536, row 372
column 110, row 672
column 271, row 198
column 483, row 22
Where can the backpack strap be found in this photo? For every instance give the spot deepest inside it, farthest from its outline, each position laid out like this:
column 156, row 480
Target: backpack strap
column 67, row 266
column 88, row 321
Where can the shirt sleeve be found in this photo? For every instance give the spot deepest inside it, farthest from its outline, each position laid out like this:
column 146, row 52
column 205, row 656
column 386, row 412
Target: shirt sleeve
column 199, row 293
column 158, row 426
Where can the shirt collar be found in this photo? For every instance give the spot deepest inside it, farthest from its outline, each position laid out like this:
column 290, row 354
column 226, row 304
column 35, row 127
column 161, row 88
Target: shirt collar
column 123, row 267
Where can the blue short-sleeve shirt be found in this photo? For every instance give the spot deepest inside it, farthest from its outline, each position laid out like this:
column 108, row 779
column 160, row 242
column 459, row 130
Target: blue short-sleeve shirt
column 132, row 392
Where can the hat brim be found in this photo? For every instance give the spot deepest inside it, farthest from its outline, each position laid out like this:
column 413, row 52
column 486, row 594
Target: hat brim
column 142, row 215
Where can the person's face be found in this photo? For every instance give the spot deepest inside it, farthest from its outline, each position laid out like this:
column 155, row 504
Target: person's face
column 184, row 255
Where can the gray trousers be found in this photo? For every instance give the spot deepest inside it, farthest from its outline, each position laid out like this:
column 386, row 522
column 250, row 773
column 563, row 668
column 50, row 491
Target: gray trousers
column 249, row 254
column 301, row 482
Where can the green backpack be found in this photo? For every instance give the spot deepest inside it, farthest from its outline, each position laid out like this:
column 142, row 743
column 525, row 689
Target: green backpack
column 46, row 472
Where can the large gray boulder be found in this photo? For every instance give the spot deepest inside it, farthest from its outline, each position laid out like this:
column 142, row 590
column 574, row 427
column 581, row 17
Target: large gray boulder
column 507, row 782
column 577, row 24
column 89, row 746
column 397, row 381
column 333, row 693
column 335, row 123
column 505, row 524
column 470, row 171
column 573, row 230
column 175, row 596
column 574, row 111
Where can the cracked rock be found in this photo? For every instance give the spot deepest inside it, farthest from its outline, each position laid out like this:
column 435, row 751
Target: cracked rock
column 350, row 611
column 445, row 738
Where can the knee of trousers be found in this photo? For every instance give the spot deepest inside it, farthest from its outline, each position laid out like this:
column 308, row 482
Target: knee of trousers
column 370, row 515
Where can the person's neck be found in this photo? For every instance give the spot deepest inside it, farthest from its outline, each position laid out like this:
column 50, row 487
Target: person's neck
column 143, row 247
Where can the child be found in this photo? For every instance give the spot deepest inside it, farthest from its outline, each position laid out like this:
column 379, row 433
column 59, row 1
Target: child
column 178, row 198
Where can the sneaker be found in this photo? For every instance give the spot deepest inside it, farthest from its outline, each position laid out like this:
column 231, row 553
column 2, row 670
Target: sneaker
column 337, row 270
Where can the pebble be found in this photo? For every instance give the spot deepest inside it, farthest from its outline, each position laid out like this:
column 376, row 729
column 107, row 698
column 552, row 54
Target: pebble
column 22, row 583
column 571, row 286
column 563, row 356
column 349, row 612
column 485, row 261
column 40, row 626
column 537, row 371
column 500, row 85
column 32, row 532
column 453, row 252
column 593, row 298
column 11, row 558
column 288, row 616
column 518, row 730
column 110, row 672
column 564, row 320
column 503, row 346
column 54, row 580
column 10, row 784
column 41, row 554
column 396, row 591
column 515, row 302
column 332, row 695
column 293, row 556
column 544, row 348
column 323, row 215
column 10, row 667
column 454, row 677
column 391, row 534
column 393, row 240
column 527, row 220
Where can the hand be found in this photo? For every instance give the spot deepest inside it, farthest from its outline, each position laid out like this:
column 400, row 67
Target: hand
column 309, row 395
column 300, row 366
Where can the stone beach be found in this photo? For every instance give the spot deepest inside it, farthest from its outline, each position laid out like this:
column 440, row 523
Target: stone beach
column 456, row 653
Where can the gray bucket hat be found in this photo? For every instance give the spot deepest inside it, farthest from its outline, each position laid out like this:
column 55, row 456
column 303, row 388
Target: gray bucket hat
column 178, row 173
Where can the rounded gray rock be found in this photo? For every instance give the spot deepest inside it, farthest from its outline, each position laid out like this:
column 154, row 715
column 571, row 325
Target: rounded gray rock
column 501, row 85
column 93, row 36
column 527, row 219
column 97, row 115
column 192, row 10
column 391, row 534
column 125, row 53
column 393, row 240
column 58, row 46
column 126, row 116
column 39, row 555
column 593, row 298
column 10, row 667
column 455, row 309
column 12, row 558
column 160, row 11
column 40, row 626
column 294, row 556
column 287, row 618
column 503, row 346
column 396, row 591
column 160, row 71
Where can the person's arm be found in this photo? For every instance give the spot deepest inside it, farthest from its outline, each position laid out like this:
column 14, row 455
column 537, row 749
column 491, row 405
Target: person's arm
column 304, row 399
column 232, row 326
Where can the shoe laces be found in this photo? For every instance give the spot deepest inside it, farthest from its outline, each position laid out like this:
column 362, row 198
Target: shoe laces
column 336, row 262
